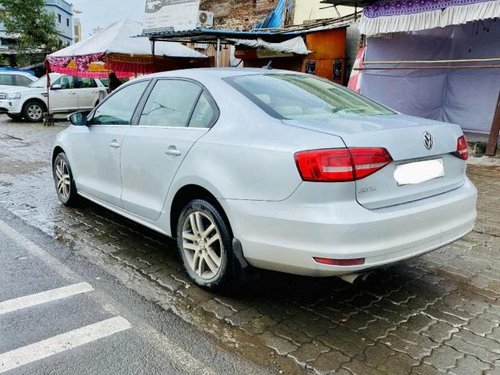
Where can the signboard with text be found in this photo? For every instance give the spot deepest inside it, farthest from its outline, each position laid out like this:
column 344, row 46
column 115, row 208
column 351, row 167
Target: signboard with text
column 178, row 15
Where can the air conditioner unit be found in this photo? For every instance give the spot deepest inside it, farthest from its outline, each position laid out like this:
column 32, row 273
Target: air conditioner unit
column 205, row 19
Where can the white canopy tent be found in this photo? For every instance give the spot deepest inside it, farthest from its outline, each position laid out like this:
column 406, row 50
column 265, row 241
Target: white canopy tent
column 119, row 48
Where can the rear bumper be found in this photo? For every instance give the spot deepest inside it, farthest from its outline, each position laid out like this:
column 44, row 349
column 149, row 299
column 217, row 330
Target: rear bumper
column 285, row 236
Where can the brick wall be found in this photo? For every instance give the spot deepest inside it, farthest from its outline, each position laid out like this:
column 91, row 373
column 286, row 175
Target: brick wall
column 238, row 14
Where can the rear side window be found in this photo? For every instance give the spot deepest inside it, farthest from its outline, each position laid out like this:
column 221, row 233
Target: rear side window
column 295, row 97
column 171, row 103
column 204, row 113
column 22, row 81
column 85, row 83
column 120, row 107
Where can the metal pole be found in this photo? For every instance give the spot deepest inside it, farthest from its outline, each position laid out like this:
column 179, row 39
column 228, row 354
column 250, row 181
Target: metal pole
column 217, row 55
column 495, row 129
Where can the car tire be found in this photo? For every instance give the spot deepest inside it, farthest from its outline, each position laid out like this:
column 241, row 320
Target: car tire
column 15, row 117
column 206, row 253
column 33, row 111
column 64, row 182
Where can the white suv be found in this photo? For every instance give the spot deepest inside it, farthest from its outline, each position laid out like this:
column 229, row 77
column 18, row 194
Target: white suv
column 67, row 94
column 12, row 78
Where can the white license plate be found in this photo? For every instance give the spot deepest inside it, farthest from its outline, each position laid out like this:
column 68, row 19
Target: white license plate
column 418, row 172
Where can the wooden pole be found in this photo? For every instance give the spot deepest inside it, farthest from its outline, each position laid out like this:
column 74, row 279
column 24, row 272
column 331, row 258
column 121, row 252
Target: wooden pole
column 495, row 129
column 489, row 59
column 436, row 67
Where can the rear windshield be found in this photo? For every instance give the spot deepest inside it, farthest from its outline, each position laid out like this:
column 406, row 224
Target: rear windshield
column 297, row 97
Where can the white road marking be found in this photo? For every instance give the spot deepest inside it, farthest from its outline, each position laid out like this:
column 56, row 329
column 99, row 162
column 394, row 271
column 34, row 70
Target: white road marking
column 44, row 297
column 144, row 330
column 58, row 344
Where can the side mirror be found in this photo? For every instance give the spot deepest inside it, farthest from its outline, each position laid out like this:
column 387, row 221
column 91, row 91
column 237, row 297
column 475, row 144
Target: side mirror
column 56, row 86
column 78, row 118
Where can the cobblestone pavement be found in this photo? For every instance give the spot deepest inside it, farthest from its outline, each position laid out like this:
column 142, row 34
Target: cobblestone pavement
column 436, row 314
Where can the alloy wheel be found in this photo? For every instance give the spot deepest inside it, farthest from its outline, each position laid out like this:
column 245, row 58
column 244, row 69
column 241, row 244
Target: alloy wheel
column 63, row 179
column 202, row 245
column 35, row 112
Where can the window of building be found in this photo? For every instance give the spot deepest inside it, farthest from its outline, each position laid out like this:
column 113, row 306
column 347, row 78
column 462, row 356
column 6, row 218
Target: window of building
column 67, row 22
column 59, row 18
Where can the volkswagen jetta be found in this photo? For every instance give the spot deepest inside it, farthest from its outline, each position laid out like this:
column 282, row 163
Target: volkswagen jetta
column 254, row 168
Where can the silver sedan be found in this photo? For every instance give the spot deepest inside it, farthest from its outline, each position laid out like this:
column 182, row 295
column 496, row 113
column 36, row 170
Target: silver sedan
column 251, row 168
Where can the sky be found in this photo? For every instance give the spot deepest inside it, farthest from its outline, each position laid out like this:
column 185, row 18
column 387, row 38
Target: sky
column 103, row 13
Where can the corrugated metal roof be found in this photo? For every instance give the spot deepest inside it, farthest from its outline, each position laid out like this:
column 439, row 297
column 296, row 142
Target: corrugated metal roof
column 211, row 35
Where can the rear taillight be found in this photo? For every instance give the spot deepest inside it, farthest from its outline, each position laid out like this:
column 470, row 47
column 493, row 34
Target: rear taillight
column 341, row 164
column 462, row 148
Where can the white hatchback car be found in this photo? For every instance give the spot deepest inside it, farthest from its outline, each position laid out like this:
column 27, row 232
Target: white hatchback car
column 273, row 169
column 67, row 94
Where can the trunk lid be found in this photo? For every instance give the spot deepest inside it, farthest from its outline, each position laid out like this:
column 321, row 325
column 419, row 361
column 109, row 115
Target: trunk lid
column 403, row 137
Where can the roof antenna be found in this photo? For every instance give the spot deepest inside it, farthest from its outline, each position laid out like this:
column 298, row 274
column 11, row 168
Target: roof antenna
column 269, row 65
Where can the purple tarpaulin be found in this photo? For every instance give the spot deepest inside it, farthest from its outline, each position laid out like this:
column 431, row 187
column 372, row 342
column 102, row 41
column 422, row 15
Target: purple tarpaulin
column 462, row 96
column 398, row 7
column 392, row 16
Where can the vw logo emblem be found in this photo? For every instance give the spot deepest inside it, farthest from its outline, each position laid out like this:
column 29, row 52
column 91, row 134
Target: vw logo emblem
column 428, row 141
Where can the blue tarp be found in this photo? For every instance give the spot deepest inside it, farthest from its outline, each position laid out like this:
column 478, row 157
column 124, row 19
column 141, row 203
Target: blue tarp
column 275, row 19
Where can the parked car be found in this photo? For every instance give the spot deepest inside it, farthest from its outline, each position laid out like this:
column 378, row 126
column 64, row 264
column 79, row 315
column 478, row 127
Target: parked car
column 271, row 169
column 15, row 78
column 67, row 94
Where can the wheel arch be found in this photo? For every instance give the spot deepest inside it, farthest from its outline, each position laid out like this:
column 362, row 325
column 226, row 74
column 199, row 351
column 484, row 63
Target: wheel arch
column 57, row 150
column 38, row 100
column 185, row 195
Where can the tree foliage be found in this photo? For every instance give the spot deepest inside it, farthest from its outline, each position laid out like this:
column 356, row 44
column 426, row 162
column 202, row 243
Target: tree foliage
column 34, row 28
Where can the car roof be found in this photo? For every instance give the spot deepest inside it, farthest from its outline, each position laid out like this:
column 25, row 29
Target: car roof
column 220, row 73
column 17, row 72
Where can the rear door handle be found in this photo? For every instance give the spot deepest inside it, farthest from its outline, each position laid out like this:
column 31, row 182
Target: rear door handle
column 173, row 151
column 114, row 144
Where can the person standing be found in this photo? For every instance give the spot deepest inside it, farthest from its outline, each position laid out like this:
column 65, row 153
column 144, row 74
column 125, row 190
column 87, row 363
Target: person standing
column 114, row 82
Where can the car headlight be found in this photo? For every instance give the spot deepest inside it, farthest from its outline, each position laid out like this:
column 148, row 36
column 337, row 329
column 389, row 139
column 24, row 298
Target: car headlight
column 14, row 96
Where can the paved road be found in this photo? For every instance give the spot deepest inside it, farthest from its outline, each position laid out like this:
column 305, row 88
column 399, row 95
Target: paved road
column 54, row 320
column 436, row 314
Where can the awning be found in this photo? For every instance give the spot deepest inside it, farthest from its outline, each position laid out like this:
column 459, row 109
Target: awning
column 389, row 16
column 116, row 48
column 295, row 45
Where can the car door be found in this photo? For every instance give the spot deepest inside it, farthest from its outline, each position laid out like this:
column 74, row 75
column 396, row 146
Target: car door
column 87, row 93
column 63, row 95
column 176, row 114
column 96, row 148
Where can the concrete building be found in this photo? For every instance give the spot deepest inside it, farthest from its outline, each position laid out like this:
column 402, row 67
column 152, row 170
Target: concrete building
column 242, row 15
column 7, row 47
column 63, row 13
column 312, row 10
column 77, row 27
column 237, row 14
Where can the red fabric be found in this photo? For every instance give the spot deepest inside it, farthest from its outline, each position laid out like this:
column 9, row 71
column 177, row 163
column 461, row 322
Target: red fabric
column 86, row 74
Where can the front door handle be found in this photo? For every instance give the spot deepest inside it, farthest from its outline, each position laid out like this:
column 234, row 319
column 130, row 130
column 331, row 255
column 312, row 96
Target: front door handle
column 114, row 144
column 173, row 151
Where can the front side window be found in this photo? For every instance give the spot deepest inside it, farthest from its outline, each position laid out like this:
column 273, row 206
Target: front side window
column 303, row 97
column 66, row 82
column 170, row 103
column 6, row 79
column 120, row 107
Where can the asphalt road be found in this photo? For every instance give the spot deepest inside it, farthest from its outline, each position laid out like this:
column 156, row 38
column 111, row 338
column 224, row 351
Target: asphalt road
column 59, row 314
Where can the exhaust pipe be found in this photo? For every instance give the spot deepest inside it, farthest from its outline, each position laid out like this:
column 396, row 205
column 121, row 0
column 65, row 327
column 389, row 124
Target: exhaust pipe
column 350, row 278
